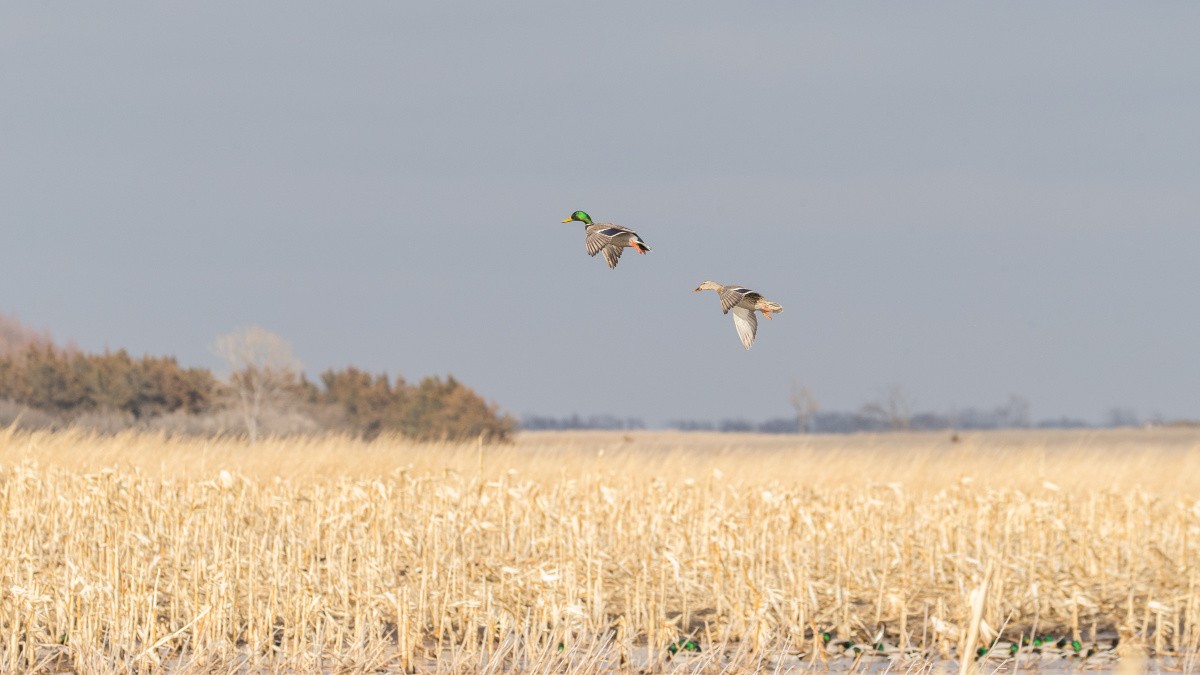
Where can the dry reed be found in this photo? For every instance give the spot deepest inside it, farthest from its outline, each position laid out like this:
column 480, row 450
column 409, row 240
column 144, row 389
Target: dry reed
column 594, row 552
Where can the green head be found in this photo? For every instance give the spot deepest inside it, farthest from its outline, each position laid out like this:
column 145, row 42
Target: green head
column 685, row 645
column 580, row 216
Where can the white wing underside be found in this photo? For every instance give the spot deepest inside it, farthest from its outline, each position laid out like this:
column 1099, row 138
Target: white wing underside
column 746, row 324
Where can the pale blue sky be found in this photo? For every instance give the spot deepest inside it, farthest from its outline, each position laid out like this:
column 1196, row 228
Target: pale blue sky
column 967, row 200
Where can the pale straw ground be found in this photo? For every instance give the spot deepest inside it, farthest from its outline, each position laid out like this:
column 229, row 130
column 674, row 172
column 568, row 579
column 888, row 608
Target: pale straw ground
column 601, row 552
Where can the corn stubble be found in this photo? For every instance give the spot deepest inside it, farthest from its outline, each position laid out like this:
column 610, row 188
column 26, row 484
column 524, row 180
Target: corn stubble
column 597, row 552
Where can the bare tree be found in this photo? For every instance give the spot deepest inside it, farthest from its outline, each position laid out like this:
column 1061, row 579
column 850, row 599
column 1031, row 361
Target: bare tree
column 262, row 368
column 1119, row 416
column 893, row 409
column 15, row 337
column 1014, row 414
column 804, row 404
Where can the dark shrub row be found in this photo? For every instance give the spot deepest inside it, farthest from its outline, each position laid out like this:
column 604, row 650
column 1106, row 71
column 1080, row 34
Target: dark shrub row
column 68, row 385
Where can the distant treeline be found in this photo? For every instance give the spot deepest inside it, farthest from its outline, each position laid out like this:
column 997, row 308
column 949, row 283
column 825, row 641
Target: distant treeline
column 820, row 423
column 540, row 423
column 42, row 385
column 64, row 383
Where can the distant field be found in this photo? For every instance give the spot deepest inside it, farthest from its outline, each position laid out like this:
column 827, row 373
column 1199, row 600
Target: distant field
column 598, row 552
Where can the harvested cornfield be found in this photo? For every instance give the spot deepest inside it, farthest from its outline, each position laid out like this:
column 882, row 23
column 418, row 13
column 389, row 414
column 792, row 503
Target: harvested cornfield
column 598, row 552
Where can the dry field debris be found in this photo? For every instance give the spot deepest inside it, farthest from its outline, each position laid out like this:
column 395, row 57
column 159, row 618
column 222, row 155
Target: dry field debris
column 595, row 552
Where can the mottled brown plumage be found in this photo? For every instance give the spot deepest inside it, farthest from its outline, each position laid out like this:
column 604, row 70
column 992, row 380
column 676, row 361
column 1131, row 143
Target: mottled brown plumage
column 743, row 302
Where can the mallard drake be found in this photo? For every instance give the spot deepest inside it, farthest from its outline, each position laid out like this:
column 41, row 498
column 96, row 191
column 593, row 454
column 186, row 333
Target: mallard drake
column 612, row 239
column 744, row 302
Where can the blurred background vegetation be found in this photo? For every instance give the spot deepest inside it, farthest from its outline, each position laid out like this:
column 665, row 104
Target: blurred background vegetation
column 264, row 393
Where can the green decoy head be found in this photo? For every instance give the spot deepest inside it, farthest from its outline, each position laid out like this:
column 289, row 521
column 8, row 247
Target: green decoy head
column 580, row 216
column 683, row 644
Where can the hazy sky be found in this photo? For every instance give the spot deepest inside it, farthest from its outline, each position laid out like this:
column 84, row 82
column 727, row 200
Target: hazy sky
column 966, row 200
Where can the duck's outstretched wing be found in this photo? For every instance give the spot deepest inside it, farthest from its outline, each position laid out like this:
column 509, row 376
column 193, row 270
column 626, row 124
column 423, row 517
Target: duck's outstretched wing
column 732, row 295
column 612, row 253
column 746, row 324
column 600, row 238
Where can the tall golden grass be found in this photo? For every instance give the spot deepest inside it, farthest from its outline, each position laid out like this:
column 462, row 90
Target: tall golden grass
column 593, row 552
